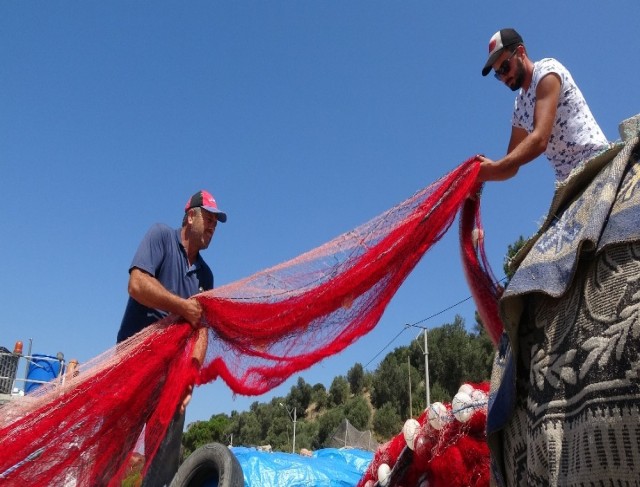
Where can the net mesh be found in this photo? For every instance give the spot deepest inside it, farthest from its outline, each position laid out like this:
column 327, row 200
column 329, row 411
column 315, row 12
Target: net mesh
column 348, row 436
column 260, row 331
column 480, row 278
column 446, row 448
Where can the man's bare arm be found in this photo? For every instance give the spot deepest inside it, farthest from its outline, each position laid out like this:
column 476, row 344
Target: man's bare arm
column 525, row 147
column 147, row 290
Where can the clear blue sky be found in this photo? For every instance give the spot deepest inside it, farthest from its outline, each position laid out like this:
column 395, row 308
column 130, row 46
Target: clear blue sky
column 303, row 118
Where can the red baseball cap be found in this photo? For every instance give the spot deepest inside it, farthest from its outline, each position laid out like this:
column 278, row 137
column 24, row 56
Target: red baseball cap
column 501, row 39
column 203, row 199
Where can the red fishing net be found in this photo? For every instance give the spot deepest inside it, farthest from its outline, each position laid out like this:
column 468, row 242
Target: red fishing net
column 447, row 447
column 482, row 283
column 261, row 330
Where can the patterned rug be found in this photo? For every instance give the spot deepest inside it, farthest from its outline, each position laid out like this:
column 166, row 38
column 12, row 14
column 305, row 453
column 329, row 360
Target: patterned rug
column 565, row 401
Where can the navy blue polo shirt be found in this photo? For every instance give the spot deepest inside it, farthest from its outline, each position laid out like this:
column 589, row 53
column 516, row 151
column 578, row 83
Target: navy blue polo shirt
column 162, row 255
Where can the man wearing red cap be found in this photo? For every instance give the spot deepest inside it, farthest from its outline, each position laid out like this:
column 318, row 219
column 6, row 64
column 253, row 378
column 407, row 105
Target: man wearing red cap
column 550, row 116
column 166, row 271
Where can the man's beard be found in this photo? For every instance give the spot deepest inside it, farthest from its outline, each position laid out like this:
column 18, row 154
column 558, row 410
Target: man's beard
column 519, row 77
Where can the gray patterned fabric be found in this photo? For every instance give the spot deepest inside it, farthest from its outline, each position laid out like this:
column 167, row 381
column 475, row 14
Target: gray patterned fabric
column 565, row 401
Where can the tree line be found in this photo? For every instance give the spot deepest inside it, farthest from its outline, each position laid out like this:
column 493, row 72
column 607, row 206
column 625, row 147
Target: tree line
column 377, row 400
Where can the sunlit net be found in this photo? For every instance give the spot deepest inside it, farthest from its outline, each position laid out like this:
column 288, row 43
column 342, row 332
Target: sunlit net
column 261, row 330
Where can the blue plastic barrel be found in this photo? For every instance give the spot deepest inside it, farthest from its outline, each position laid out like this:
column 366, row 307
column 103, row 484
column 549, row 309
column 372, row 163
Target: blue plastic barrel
column 43, row 368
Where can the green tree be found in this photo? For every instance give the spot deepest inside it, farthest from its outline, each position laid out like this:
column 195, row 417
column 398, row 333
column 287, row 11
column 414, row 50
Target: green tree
column 327, row 423
column 485, row 352
column 456, row 356
column 355, row 376
column 265, row 412
column 300, row 397
column 368, row 381
column 279, row 434
column 319, row 396
column 439, row 394
column 358, row 412
column 390, row 382
column 203, row 432
column 413, row 396
column 339, row 391
column 512, row 250
column 245, row 427
column 306, row 432
column 386, row 422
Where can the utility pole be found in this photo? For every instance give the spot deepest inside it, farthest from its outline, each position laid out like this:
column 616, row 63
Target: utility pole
column 293, row 449
column 426, row 368
column 410, row 401
column 294, row 420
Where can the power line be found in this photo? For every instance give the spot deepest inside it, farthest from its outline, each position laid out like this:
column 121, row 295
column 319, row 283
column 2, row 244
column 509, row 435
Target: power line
column 415, row 325
column 439, row 313
column 406, row 327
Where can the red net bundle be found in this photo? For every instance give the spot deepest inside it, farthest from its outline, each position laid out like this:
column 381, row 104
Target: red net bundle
column 261, row 330
column 447, row 447
column 482, row 283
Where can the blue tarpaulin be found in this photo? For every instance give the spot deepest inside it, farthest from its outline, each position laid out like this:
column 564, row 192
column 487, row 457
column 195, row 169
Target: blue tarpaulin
column 329, row 467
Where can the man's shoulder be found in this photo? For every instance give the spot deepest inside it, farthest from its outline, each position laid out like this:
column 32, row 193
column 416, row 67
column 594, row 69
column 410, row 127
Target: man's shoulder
column 547, row 60
column 161, row 230
column 549, row 64
column 161, row 236
column 546, row 66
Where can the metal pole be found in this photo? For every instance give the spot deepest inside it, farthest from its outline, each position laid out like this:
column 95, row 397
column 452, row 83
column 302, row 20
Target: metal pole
column 294, row 431
column 426, row 368
column 410, row 401
column 26, row 367
column 294, row 419
column 346, row 432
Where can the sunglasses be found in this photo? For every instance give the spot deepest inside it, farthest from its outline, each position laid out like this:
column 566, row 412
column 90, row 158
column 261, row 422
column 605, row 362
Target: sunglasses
column 504, row 68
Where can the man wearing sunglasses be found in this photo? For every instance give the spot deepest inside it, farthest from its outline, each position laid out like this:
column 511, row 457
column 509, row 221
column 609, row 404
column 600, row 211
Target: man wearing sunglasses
column 559, row 413
column 550, row 116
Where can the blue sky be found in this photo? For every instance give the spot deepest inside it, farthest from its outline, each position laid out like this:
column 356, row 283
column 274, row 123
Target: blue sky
column 303, row 118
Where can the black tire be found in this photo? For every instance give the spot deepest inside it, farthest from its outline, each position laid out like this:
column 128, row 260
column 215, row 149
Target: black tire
column 209, row 462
